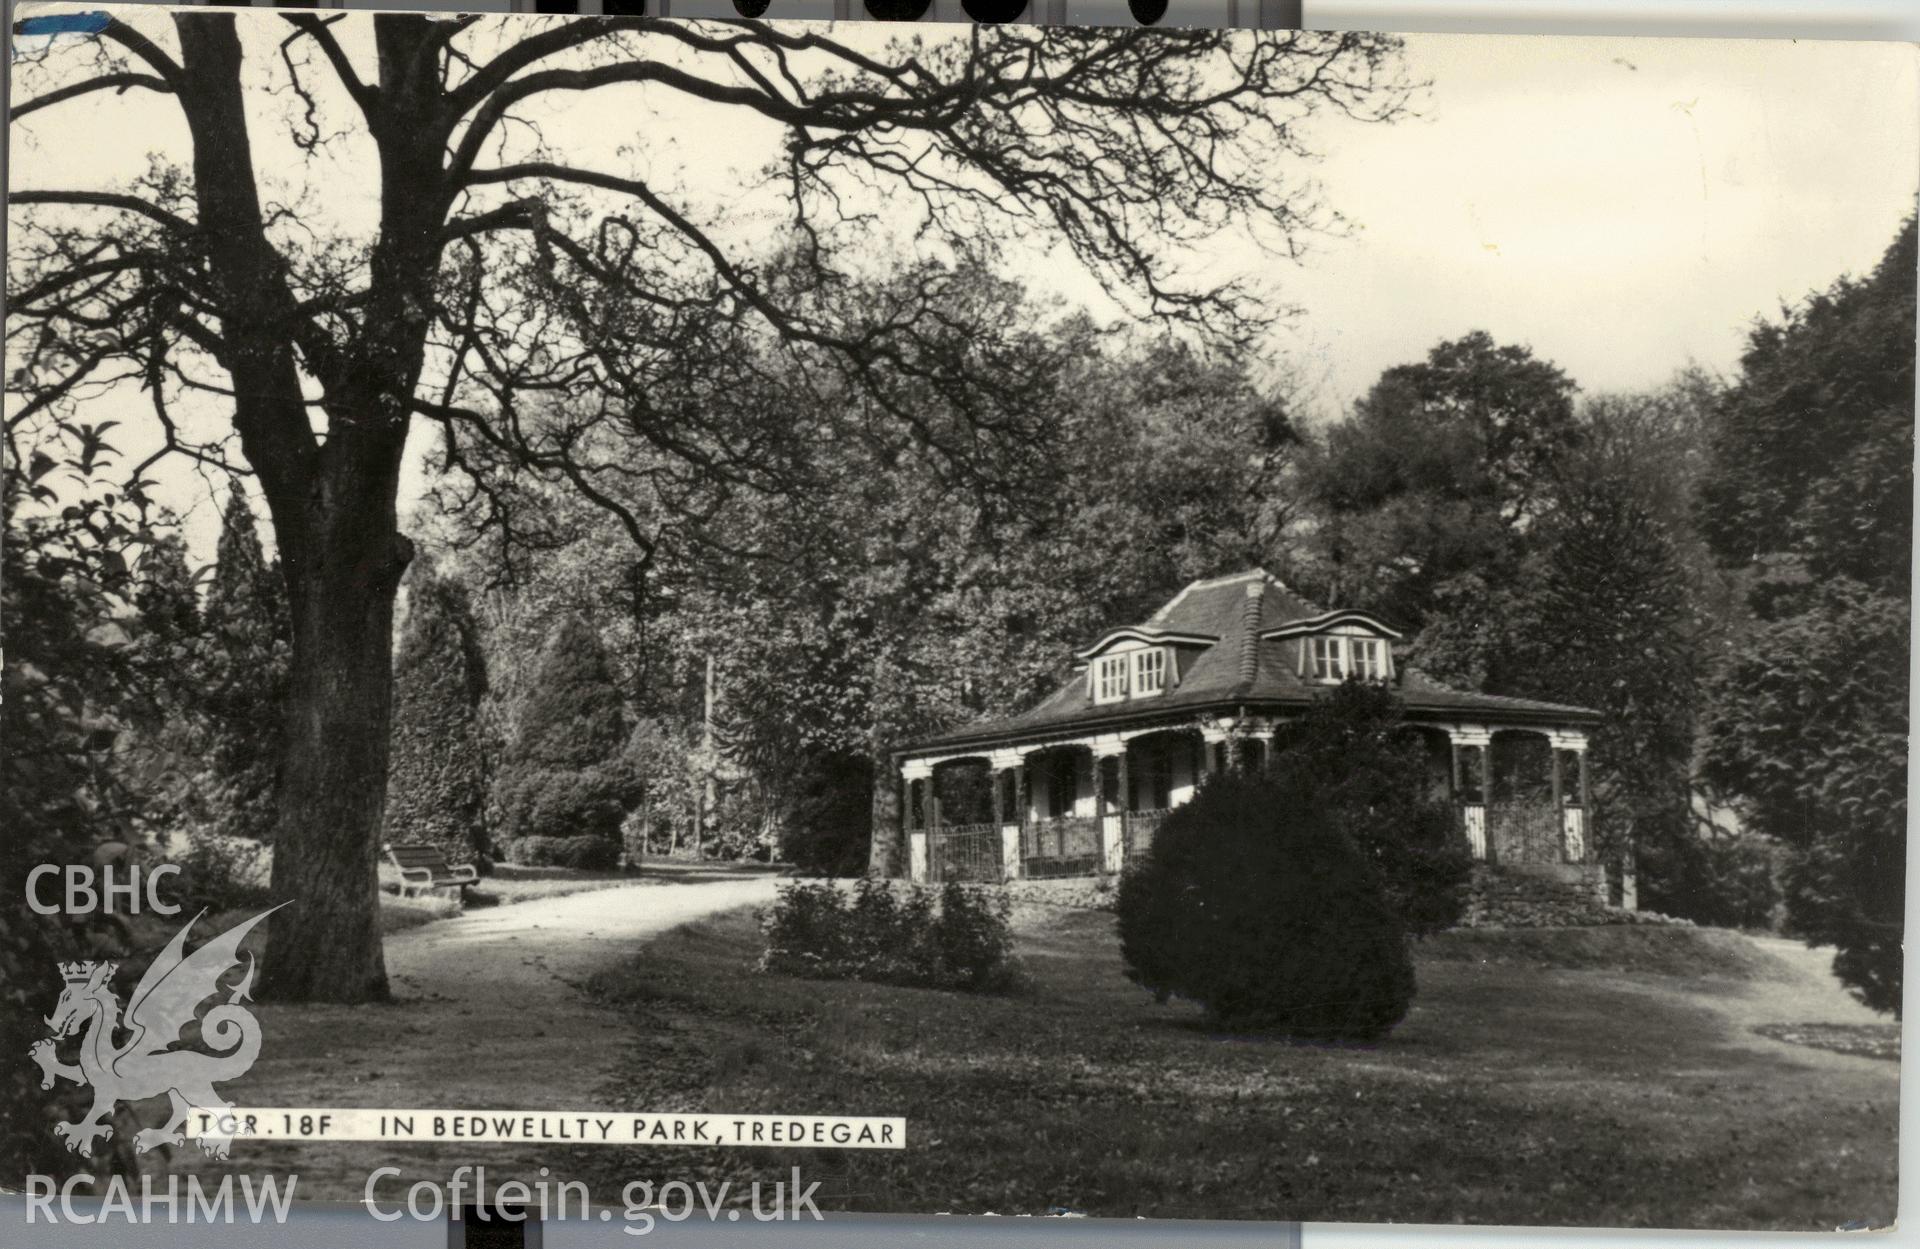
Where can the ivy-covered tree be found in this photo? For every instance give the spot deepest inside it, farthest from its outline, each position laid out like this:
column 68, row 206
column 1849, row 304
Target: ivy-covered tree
column 244, row 695
column 437, row 775
column 565, row 774
column 1811, row 485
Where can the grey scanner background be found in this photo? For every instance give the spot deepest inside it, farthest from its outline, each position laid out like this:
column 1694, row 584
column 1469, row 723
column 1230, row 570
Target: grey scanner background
column 316, row 1226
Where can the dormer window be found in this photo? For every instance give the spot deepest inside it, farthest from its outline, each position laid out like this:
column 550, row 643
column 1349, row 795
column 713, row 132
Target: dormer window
column 1149, row 672
column 1331, row 657
column 1137, row 673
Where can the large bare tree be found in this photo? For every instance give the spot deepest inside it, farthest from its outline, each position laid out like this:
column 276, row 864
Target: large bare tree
column 581, row 321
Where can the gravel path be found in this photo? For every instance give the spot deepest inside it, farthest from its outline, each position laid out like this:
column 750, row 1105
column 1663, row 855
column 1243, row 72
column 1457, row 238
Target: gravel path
column 487, row 1015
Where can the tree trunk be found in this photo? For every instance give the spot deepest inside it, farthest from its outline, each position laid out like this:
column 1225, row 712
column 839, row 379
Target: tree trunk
column 333, row 793
column 332, row 500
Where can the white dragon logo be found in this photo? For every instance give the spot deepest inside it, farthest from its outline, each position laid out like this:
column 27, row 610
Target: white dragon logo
column 163, row 1006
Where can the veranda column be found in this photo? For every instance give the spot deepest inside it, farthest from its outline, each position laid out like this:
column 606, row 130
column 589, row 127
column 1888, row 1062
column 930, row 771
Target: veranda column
column 1486, row 797
column 1111, row 822
column 1023, row 797
column 1473, row 815
column 917, row 772
column 1214, row 737
column 1576, row 823
column 1561, row 816
column 1261, row 736
column 1008, row 767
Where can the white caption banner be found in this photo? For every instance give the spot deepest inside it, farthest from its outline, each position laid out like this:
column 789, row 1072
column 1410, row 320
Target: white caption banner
column 550, row 1127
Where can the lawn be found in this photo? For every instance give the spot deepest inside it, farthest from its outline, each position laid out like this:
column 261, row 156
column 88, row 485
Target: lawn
column 1599, row 1077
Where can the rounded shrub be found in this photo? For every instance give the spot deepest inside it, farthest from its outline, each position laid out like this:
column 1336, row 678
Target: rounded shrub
column 1253, row 903
column 554, row 802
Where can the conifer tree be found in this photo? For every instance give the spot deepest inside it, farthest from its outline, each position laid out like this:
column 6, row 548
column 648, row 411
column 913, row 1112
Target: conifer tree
column 164, row 592
column 436, row 774
column 565, row 774
column 246, row 622
column 165, row 756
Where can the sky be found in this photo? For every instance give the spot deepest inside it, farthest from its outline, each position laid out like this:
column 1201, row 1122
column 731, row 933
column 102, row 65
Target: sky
column 1623, row 207
column 1626, row 208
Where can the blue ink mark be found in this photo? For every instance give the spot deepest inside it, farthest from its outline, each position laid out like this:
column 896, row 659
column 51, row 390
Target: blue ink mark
column 63, row 24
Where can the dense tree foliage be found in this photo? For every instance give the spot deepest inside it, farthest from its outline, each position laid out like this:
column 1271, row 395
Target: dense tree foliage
column 437, row 777
column 70, row 682
column 1436, row 474
column 898, row 606
column 1563, row 565
column 1353, row 754
column 1811, row 484
column 1603, row 619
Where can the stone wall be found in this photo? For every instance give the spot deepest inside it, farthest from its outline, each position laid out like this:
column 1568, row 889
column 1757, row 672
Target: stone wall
column 1541, row 895
column 1088, row 892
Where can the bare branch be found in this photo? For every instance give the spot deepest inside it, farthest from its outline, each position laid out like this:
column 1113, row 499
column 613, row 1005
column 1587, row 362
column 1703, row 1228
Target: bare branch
column 104, row 199
column 314, row 27
column 118, row 83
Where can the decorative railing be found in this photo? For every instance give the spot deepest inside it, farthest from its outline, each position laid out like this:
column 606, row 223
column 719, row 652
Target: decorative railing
column 1067, row 846
column 1532, row 832
column 1138, row 829
column 965, row 852
column 1575, row 834
column 1473, row 821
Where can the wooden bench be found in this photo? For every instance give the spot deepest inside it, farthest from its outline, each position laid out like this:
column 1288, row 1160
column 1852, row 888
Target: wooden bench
column 423, row 868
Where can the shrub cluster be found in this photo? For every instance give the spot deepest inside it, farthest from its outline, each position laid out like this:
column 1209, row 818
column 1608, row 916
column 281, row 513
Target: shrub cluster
column 1255, row 904
column 218, row 873
column 957, row 939
column 1728, row 882
column 560, row 803
column 590, row 852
